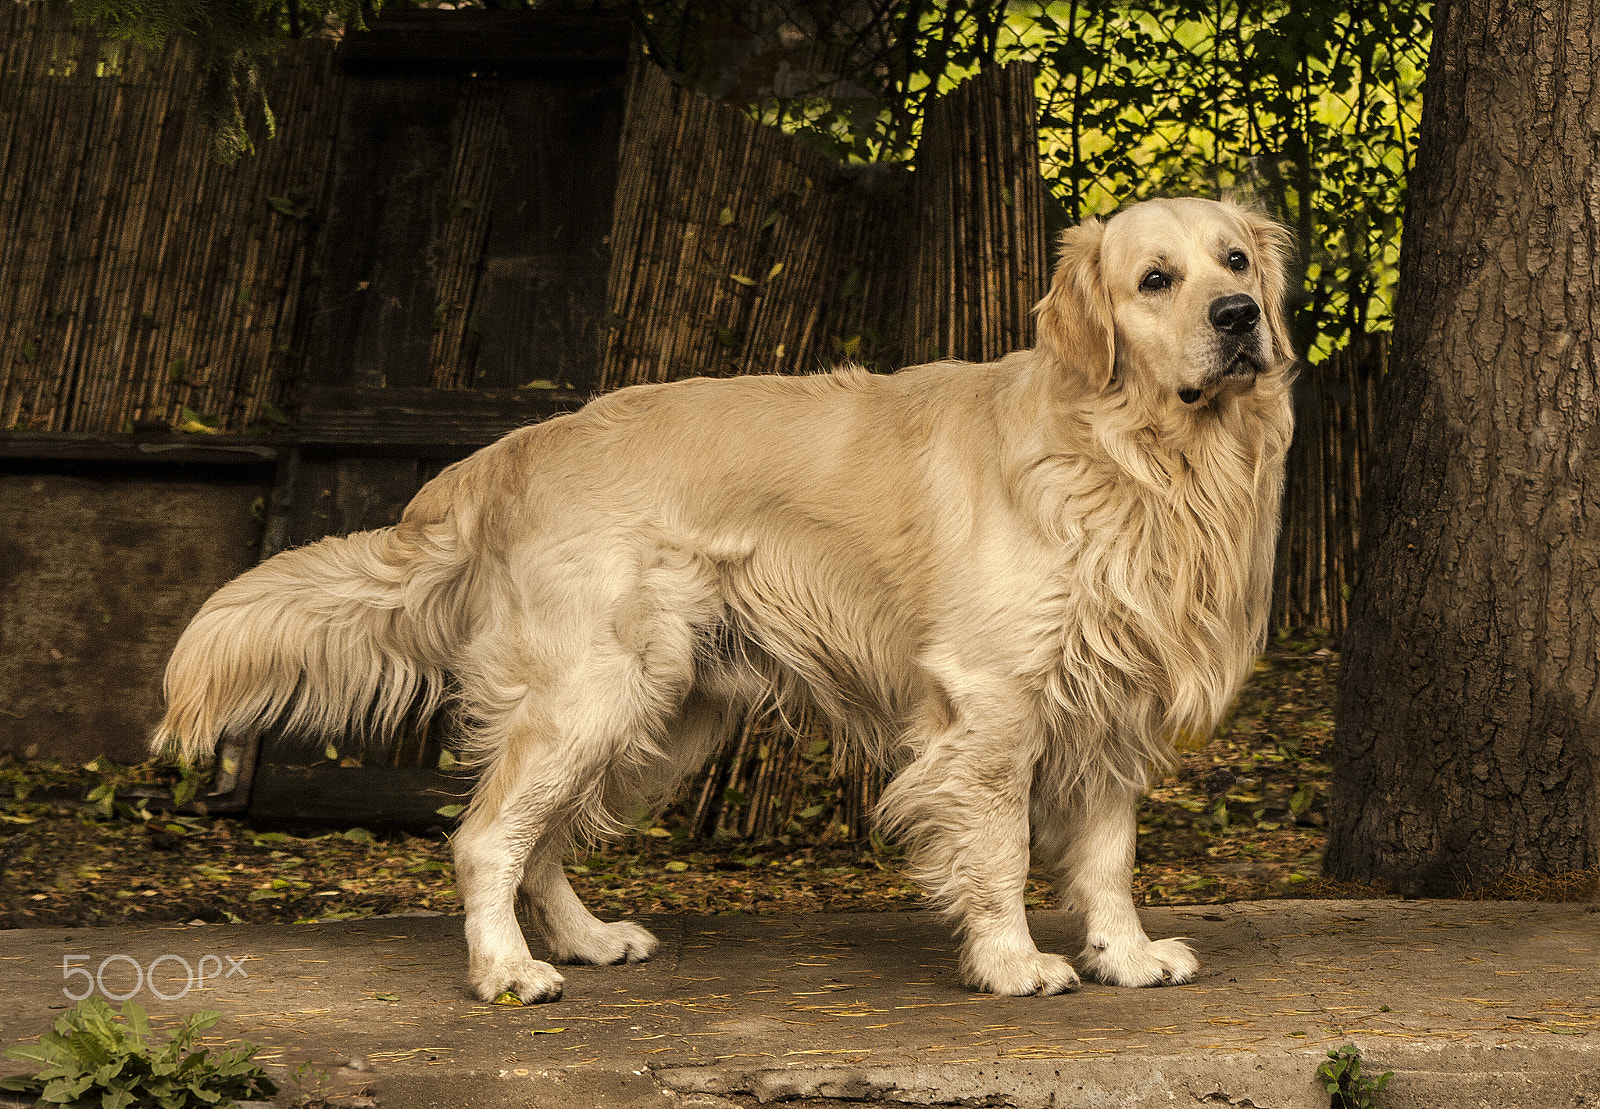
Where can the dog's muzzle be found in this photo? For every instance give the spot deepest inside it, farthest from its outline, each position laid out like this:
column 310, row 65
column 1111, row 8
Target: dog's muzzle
column 1234, row 318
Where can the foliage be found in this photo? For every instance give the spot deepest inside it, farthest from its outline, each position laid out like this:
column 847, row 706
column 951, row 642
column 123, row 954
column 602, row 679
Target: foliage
column 1310, row 106
column 231, row 40
column 1347, row 1087
column 852, row 78
column 95, row 1057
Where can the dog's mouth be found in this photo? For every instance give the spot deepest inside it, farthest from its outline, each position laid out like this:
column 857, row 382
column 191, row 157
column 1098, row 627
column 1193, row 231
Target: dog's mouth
column 1241, row 368
column 1246, row 362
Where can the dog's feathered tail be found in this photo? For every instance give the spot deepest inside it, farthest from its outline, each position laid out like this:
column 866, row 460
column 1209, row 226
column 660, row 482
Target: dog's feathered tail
column 344, row 637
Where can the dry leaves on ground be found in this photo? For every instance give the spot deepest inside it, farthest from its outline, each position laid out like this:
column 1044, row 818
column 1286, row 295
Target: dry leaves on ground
column 1242, row 817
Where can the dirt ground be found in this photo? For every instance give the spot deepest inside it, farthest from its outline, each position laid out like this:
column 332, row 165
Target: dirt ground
column 1242, row 818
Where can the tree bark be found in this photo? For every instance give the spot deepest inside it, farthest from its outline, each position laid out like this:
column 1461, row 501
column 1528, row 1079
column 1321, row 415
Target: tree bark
column 1468, row 732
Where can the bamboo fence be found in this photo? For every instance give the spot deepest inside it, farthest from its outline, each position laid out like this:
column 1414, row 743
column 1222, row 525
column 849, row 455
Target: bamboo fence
column 982, row 262
column 737, row 249
column 1336, row 423
column 137, row 277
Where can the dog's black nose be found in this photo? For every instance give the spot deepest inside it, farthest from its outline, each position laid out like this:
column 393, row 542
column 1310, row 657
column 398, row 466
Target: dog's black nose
column 1237, row 313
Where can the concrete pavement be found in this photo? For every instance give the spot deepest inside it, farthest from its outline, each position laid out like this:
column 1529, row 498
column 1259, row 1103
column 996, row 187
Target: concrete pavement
column 1471, row 1004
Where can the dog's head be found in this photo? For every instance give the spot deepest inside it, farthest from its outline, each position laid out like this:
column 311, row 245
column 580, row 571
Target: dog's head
column 1184, row 296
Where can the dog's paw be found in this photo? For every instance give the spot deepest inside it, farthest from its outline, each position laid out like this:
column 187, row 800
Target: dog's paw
column 609, row 944
column 531, row 980
column 1022, row 974
column 1138, row 961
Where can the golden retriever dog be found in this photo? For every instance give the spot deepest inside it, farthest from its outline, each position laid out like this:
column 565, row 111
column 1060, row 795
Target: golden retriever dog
column 1018, row 582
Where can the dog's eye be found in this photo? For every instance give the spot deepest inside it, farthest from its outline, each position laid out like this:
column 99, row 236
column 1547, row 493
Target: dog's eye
column 1155, row 281
column 1237, row 262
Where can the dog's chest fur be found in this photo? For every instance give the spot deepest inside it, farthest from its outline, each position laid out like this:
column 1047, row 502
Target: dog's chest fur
column 1159, row 602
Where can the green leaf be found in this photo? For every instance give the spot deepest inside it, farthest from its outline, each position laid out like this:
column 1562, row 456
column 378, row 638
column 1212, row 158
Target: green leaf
column 450, row 812
column 725, row 217
column 742, row 279
column 185, row 791
column 196, row 423
column 38, row 1053
column 137, row 1019
column 733, row 796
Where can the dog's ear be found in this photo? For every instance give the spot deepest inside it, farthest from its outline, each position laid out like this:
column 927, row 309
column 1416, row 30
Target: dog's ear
column 1074, row 317
column 1274, row 247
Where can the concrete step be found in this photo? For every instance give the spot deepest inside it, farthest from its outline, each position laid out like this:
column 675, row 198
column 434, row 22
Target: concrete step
column 1469, row 1003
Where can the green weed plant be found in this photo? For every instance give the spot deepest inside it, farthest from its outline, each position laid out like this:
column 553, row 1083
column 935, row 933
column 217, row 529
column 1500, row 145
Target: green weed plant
column 100, row 1059
column 1347, row 1087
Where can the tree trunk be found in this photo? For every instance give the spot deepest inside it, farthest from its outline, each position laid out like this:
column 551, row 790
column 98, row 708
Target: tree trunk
column 1469, row 718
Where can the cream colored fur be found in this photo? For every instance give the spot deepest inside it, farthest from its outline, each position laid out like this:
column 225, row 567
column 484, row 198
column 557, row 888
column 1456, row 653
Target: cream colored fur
column 1017, row 581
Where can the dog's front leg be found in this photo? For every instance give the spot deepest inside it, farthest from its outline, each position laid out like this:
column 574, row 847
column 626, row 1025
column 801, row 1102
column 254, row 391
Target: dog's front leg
column 963, row 809
column 1098, row 862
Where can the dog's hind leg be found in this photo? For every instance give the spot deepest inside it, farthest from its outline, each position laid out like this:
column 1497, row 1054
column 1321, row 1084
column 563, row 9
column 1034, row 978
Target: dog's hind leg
column 545, row 784
column 573, row 933
column 519, row 809
column 1098, row 836
column 559, row 722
